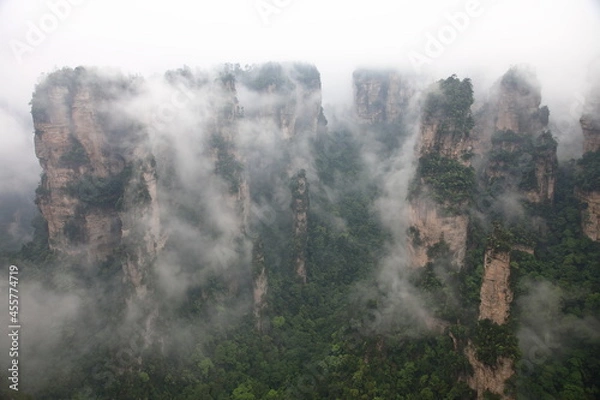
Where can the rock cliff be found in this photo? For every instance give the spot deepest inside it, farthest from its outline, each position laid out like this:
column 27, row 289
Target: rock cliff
column 588, row 187
column 489, row 379
column 117, row 188
column 517, row 99
column 98, row 188
column 496, row 295
column 522, row 158
column 590, row 217
column 590, row 125
column 496, row 298
column 382, row 96
column 300, row 205
column 288, row 95
column 260, row 285
column 445, row 180
column 590, row 121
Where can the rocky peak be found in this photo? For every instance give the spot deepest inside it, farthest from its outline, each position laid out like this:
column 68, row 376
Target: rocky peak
column 590, row 126
column 517, row 103
column 445, row 180
column 85, row 169
column 590, row 119
column 522, row 157
column 287, row 94
column 447, row 120
column 382, row 96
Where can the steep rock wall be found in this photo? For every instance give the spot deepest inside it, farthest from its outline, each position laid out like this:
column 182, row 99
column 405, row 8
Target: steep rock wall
column 522, row 157
column 70, row 144
column 98, row 190
column 445, row 138
column 300, row 204
column 287, row 95
column 517, row 103
column 430, row 225
column 590, row 120
column 496, row 297
column 590, row 216
column 590, row 125
column 381, row 96
column 260, row 285
column 486, row 378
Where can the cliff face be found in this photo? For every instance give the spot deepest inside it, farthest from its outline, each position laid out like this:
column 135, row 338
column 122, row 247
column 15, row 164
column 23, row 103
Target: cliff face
column 590, row 121
column 588, row 190
column 546, row 168
column 496, row 295
column 434, row 139
column 381, row 96
column 96, row 194
column 590, row 126
column 260, row 284
column 300, row 204
column 520, row 159
column 590, row 217
column 491, row 379
column 288, row 95
column 444, row 173
column 496, row 298
column 517, row 103
column 433, row 225
column 101, row 195
column 522, row 156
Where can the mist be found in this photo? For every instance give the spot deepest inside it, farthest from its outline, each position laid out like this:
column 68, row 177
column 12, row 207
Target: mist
column 430, row 40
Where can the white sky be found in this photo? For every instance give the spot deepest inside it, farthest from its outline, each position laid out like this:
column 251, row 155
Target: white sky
column 559, row 39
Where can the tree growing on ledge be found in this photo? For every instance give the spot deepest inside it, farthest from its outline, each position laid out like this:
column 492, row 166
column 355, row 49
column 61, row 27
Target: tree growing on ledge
column 450, row 102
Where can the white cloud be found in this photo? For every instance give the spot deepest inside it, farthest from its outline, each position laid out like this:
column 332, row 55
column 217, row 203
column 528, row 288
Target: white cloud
column 558, row 39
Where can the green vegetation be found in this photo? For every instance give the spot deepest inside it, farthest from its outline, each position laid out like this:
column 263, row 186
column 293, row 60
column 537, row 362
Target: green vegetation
column 518, row 78
column 515, row 156
column 493, row 341
column 141, row 194
column 227, row 165
column 571, row 262
column 500, row 240
column 450, row 102
column 67, row 81
column 308, row 75
column 338, row 335
column 453, row 184
column 268, row 75
column 42, row 190
column 101, row 192
column 74, row 229
column 588, row 172
column 76, row 156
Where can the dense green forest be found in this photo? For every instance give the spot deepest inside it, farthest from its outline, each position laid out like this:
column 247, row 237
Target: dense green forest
column 345, row 359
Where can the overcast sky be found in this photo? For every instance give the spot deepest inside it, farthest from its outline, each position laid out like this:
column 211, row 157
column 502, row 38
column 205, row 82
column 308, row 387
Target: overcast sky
column 559, row 39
